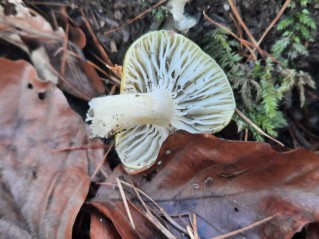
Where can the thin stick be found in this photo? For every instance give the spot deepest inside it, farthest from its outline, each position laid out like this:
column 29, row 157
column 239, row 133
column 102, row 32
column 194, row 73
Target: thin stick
column 240, row 20
column 85, row 97
column 246, row 135
column 115, row 80
column 242, row 41
column 96, row 41
column 54, row 20
column 82, row 147
column 112, row 91
column 190, row 232
column 151, row 217
column 104, row 63
column 112, row 78
column 102, row 161
column 166, row 215
column 117, row 70
column 166, row 232
column 125, row 202
column 273, row 23
column 140, row 198
column 239, row 29
column 135, row 18
column 65, row 52
column 196, row 236
column 256, row 127
column 233, row 233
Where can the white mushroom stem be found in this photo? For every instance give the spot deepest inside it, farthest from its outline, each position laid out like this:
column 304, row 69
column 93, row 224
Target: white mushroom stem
column 113, row 114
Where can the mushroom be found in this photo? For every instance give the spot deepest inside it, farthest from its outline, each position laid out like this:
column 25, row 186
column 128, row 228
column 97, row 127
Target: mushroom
column 168, row 84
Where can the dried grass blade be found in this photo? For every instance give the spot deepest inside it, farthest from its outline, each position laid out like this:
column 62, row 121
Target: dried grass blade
column 105, row 56
column 165, row 214
column 244, row 117
column 272, row 23
column 242, row 41
column 125, row 202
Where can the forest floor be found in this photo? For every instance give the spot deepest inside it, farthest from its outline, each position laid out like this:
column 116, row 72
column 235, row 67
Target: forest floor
column 58, row 55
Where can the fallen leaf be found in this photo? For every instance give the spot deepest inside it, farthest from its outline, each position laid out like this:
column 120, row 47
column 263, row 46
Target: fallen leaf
column 61, row 65
column 101, row 228
column 228, row 185
column 115, row 211
column 42, row 186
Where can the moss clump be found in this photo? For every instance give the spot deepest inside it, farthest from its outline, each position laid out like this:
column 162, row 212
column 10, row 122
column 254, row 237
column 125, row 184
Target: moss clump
column 260, row 86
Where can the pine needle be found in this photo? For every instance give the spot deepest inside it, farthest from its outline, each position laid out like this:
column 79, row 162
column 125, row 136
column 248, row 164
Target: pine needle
column 125, row 202
column 245, row 118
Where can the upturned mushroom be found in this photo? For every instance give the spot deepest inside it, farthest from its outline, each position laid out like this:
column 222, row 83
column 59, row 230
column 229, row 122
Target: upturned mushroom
column 168, row 84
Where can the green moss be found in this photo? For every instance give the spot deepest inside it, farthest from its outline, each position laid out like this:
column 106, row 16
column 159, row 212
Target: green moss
column 260, row 86
column 297, row 29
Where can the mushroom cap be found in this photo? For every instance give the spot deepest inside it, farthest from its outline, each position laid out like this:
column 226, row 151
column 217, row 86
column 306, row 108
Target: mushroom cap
column 203, row 98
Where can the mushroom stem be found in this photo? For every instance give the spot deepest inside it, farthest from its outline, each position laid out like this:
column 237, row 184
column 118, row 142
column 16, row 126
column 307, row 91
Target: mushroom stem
column 113, row 114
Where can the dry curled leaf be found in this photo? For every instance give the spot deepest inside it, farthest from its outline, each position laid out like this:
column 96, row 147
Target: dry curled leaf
column 228, row 185
column 57, row 55
column 42, row 187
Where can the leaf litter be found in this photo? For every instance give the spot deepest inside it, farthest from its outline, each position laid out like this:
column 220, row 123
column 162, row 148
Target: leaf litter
column 202, row 187
column 228, row 185
column 54, row 56
column 42, row 190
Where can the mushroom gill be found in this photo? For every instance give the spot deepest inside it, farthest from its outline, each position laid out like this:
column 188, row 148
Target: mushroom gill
column 168, row 83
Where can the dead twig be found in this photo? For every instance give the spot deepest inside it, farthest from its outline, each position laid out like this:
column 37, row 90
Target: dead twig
column 83, row 147
column 190, row 232
column 196, row 236
column 272, row 24
column 125, row 202
column 245, row 118
column 65, row 52
column 165, row 214
column 103, row 53
column 242, row 41
column 85, row 97
column 116, row 81
column 117, row 70
column 242, row 23
column 246, row 135
column 151, row 217
column 104, row 63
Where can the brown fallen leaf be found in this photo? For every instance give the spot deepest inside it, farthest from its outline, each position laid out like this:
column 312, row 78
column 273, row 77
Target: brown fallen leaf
column 52, row 52
column 228, row 185
column 115, row 211
column 101, row 228
column 42, row 188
